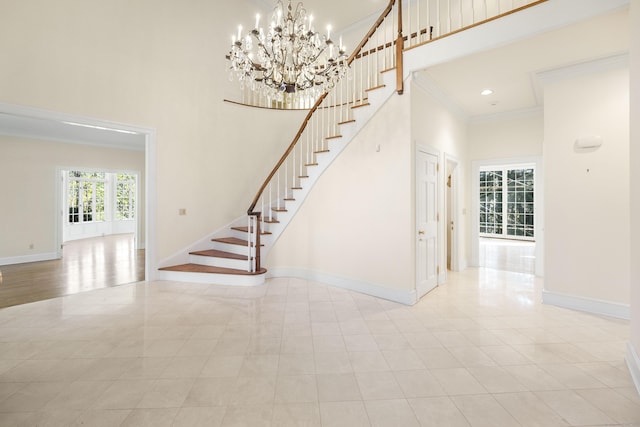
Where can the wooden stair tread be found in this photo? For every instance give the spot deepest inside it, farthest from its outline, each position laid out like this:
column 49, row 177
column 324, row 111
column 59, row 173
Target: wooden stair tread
column 366, row 104
column 347, row 121
column 296, row 188
column 198, row 268
column 246, row 230
column 375, row 88
column 321, row 151
column 279, row 210
column 220, row 254
column 311, row 164
column 334, row 137
column 271, row 221
column 232, row 241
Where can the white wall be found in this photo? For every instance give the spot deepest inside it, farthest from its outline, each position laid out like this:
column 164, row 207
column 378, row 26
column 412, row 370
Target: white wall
column 506, row 136
column 355, row 228
column 587, row 194
column 435, row 125
column 157, row 65
column 632, row 357
column 28, row 177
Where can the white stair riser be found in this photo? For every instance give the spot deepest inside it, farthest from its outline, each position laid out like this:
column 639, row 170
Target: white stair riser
column 238, row 234
column 219, row 262
column 227, row 247
column 213, row 279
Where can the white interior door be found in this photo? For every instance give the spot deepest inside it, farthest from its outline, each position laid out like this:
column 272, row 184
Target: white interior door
column 426, row 223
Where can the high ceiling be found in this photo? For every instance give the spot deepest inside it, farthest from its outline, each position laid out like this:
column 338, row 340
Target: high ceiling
column 511, row 71
column 339, row 14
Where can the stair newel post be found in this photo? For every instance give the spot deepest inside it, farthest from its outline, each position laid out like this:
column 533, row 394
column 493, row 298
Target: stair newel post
column 250, row 242
column 257, row 241
column 253, row 242
column 399, row 49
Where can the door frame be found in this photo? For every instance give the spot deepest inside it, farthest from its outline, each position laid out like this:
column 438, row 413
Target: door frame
column 149, row 176
column 455, row 216
column 441, row 278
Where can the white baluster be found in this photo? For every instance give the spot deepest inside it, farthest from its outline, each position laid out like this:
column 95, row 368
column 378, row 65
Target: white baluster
column 368, row 68
column 335, row 112
column 278, row 189
column 271, row 200
column 341, row 98
column 302, row 152
column 327, row 113
column 409, row 23
column 386, row 34
column 418, row 20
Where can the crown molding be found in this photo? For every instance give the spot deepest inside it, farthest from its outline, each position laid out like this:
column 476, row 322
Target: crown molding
column 428, row 86
column 598, row 65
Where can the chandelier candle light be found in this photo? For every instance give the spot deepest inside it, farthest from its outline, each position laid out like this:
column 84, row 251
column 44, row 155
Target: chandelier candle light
column 289, row 62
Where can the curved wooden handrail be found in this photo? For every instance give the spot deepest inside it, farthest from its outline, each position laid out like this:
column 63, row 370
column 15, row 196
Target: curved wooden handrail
column 313, row 109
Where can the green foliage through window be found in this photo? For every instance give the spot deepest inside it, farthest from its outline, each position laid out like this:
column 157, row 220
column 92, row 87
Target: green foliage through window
column 88, row 196
column 507, row 202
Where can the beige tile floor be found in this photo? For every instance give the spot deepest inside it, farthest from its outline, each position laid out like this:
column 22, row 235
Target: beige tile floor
column 479, row 351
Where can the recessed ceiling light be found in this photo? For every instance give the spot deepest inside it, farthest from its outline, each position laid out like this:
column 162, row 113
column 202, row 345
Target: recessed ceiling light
column 486, row 92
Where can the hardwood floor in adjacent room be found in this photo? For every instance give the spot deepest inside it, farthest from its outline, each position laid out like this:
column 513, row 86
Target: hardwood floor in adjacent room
column 85, row 265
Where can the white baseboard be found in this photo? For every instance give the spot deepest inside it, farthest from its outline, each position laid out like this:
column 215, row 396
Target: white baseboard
column 589, row 305
column 633, row 363
column 396, row 295
column 28, row 258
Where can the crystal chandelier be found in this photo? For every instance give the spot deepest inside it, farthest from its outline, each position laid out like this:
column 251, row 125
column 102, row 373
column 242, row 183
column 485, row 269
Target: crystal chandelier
column 288, row 60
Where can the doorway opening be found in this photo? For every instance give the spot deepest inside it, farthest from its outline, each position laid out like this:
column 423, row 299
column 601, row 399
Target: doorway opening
column 507, row 215
column 76, row 136
column 452, row 222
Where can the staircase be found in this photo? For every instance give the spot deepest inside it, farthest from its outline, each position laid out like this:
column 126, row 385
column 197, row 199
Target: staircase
column 232, row 256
